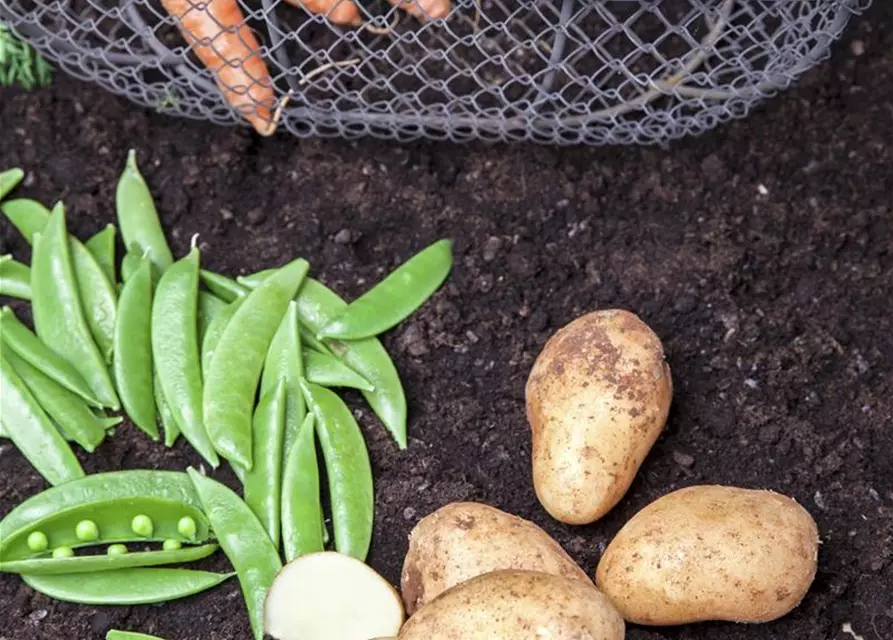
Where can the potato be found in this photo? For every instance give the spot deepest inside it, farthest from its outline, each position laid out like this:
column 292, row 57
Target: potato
column 516, row 605
column 466, row 539
column 597, row 399
column 331, row 596
column 711, row 553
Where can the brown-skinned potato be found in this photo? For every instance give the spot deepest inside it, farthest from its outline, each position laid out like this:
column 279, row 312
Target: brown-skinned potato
column 466, row 539
column 711, row 553
column 598, row 396
column 513, row 605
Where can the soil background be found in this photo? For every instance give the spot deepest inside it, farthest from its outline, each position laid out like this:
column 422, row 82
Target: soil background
column 761, row 253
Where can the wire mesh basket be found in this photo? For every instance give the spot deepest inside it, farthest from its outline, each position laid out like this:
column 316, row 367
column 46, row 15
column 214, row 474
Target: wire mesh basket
column 552, row 71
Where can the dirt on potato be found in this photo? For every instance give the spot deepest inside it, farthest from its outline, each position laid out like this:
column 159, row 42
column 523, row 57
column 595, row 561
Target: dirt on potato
column 760, row 253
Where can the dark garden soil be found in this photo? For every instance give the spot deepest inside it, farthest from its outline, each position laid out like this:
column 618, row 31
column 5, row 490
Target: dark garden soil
column 761, row 253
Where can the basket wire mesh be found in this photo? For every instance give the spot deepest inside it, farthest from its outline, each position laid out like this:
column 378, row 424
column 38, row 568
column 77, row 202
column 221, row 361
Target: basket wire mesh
column 552, row 71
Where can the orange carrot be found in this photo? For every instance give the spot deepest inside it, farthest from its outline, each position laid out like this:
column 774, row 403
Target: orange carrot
column 227, row 46
column 343, row 12
column 425, row 9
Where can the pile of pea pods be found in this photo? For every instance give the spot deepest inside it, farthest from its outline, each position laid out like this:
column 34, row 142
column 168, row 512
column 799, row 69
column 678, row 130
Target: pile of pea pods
column 243, row 368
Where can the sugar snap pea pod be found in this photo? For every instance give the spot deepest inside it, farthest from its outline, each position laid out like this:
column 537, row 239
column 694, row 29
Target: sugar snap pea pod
column 393, row 299
column 15, row 278
column 215, row 331
column 111, row 500
column 28, row 216
column 17, row 337
column 302, row 518
column 209, row 306
column 3, row 433
column 253, row 280
column 102, row 247
column 125, row 586
column 165, row 417
column 245, row 543
column 263, row 483
column 32, row 432
column 9, row 179
column 132, row 361
column 347, row 465
column 131, row 262
column 235, row 368
column 328, row 371
column 175, row 351
column 311, row 341
column 284, row 362
column 47, row 566
column 68, row 411
column 138, row 217
column 58, row 309
column 224, row 288
column 317, row 305
column 117, row 634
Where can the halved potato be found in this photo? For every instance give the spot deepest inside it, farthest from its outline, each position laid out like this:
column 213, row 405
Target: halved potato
column 331, row 596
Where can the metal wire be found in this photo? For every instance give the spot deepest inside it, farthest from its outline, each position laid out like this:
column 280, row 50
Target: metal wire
column 550, row 71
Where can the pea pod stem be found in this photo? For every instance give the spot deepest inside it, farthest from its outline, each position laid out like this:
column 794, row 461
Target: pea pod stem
column 31, row 431
column 302, row 516
column 58, row 309
column 175, row 351
column 15, row 278
column 18, row 338
column 348, row 468
column 396, row 297
column 244, row 541
column 138, row 217
column 235, row 368
column 91, row 563
column 125, row 586
column 132, row 362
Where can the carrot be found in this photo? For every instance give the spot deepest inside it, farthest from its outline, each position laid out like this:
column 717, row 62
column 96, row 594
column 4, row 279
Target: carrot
column 227, row 46
column 425, row 9
column 343, row 12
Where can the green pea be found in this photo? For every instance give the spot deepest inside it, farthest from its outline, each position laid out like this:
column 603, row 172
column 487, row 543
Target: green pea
column 171, row 544
column 87, row 531
column 116, row 549
column 186, row 527
column 37, row 541
column 63, row 552
column 142, row 526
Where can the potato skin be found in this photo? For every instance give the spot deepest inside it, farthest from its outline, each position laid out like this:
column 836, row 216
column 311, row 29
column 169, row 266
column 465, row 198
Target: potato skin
column 516, row 605
column 466, row 539
column 597, row 399
column 711, row 553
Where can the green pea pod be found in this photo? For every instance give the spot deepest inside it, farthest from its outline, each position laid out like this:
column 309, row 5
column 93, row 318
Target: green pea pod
column 317, row 305
column 254, row 280
column 175, row 351
column 138, row 217
column 349, row 471
column 209, row 306
column 9, row 179
column 58, row 309
column 165, row 417
column 20, row 339
column 263, row 483
column 328, row 371
column 87, row 564
column 117, row 634
column 27, row 216
column 235, row 368
column 284, row 363
column 132, row 362
column 3, row 433
column 32, row 432
column 131, row 262
column 309, row 339
column 395, row 298
column 215, row 330
column 302, row 518
column 15, row 278
column 125, row 586
column 102, row 247
column 111, row 500
column 245, row 543
column 68, row 411
column 224, row 288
